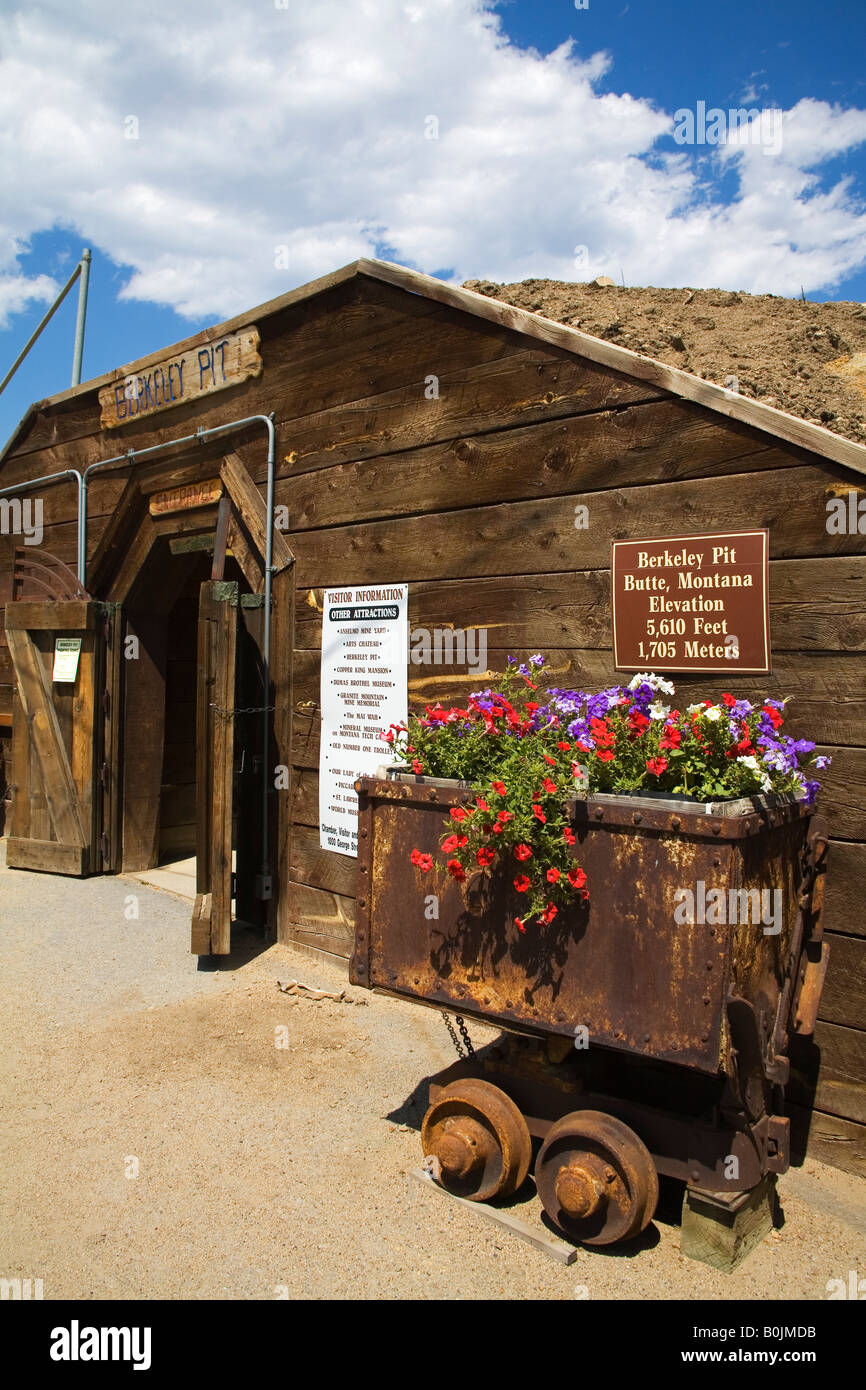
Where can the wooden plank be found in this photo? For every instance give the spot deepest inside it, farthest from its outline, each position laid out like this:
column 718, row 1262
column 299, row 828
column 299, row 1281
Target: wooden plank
column 112, row 746
column 132, row 561
column 247, row 557
column 46, row 856
column 844, row 997
column 57, row 781
column 73, row 615
column 527, row 386
column 314, row 912
column 479, row 541
column 21, row 773
column 220, row 538
column 829, row 1071
column 831, row 1139
column 86, row 739
column 845, row 893
column 282, row 698
column 252, row 510
column 143, row 713
column 714, row 397
column 637, row 445
column 816, row 605
column 321, row 868
column 218, row 611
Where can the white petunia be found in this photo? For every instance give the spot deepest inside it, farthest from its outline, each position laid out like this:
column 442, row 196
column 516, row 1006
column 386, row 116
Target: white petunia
column 659, row 711
column 713, row 713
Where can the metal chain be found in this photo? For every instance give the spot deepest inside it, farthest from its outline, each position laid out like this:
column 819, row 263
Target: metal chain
column 249, row 709
column 470, row 1050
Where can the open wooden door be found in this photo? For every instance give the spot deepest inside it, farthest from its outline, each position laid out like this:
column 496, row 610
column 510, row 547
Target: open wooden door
column 215, row 700
column 63, row 721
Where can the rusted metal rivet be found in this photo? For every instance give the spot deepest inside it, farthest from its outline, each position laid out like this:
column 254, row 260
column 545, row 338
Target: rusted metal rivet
column 362, row 902
column 432, row 795
column 695, row 1174
column 363, row 834
column 637, row 817
column 675, row 822
column 646, row 1037
column 357, row 785
column 712, row 931
column 508, row 1004
column 717, row 829
column 416, row 981
column 709, row 965
column 706, row 999
column 705, row 1037
column 716, row 863
column 609, row 1175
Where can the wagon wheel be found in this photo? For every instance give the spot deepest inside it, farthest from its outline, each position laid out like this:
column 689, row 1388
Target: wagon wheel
column 596, row 1178
column 480, row 1139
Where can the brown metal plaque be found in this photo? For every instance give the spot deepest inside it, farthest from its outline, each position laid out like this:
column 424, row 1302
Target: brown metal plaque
column 692, row 603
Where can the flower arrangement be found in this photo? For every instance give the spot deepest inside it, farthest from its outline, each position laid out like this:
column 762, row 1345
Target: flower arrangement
column 526, row 750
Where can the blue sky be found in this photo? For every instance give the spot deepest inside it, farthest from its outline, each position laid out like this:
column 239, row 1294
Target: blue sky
column 213, row 164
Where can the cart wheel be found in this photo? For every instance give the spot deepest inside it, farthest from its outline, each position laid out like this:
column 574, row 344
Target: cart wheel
column 596, row 1178
column 480, row 1139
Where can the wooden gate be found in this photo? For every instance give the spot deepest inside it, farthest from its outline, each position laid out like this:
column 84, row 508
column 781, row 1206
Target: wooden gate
column 215, row 701
column 64, row 802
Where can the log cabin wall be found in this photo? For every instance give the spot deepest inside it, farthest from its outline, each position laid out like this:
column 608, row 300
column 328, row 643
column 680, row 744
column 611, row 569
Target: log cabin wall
column 466, row 489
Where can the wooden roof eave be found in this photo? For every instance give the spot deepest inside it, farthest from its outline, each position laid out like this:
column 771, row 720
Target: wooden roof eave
column 777, row 423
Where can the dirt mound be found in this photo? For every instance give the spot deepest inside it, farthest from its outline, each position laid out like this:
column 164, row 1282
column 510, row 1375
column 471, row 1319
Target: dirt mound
column 808, row 359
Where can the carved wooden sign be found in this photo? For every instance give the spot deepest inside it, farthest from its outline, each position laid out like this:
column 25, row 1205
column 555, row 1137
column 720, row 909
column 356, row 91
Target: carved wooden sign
column 180, row 499
column 185, row 377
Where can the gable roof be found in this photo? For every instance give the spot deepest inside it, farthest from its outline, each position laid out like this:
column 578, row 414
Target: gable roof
column 790, row 428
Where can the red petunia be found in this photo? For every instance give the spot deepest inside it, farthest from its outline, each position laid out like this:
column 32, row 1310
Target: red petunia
column 415, row 856
column 549, row 787
column 499, row 788
column 568, row 835
column 455, row 869
column 521, row 883
column 522, row 852
column 485, row 857
column 577, row 878
column 448, row 846
column 425, row 863
column 548, row 759
column 504, row 817
column 656, row 766
column 531, row 705
column 548, row 914
column 519, row 925
column 481, row 804
column 539, row 814
column 604, row 756
column 496, row 829
column 728, row 700
column 563, row 747
column 458, row 813
column 553, row 875
column 671, row 738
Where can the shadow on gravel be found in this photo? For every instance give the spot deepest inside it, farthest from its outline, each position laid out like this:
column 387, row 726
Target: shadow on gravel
column 247, row 943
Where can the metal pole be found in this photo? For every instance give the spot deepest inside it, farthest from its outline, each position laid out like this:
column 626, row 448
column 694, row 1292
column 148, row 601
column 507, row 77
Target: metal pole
column 78, row 351
column 32, row 339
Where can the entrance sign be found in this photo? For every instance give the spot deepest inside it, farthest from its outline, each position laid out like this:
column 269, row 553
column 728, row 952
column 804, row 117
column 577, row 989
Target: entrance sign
column 181, row 499
column 67, row 650
column 692, row 603
column 177, row 380
column 364, row 688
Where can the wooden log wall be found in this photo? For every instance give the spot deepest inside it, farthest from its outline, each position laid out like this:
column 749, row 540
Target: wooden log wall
column 468, row 493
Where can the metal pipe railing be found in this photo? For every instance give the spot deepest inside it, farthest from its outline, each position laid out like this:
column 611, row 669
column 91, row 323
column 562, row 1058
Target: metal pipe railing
column 82, row 269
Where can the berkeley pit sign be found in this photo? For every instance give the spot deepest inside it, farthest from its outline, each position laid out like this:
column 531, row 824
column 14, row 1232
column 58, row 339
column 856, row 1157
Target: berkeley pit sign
column 692, row 603
column 182, row 378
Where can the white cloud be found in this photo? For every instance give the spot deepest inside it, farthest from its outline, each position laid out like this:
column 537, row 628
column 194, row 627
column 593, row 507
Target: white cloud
column 260, row 128
column 17, row 291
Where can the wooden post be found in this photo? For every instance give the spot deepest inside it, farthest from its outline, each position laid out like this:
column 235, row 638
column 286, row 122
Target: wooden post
column 721, row 1228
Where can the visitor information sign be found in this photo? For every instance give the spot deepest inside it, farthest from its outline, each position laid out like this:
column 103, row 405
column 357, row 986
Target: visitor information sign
column 365, row 651
column 692, row 603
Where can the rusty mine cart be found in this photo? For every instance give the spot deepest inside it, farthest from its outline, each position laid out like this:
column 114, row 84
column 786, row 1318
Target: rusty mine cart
column 687, row 1022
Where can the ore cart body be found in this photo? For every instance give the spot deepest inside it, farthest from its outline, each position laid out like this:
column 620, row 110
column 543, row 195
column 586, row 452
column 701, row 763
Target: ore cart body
column 646, row 1032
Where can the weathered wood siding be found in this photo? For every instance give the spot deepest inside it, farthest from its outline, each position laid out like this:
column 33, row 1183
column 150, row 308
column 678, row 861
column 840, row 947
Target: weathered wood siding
column 470, row 498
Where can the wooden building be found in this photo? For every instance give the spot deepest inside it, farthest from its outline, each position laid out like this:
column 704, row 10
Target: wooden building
column 425, row 435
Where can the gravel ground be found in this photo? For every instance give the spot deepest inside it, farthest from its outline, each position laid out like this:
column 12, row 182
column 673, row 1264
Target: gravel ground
column 265, row 1171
